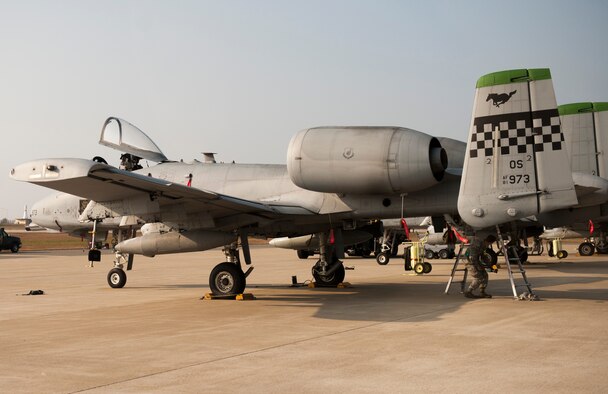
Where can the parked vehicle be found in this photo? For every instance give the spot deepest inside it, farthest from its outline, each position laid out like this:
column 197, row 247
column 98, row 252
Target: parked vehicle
column 7, row 242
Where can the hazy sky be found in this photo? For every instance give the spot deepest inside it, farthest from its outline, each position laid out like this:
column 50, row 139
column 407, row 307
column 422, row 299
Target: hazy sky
column 241, row 77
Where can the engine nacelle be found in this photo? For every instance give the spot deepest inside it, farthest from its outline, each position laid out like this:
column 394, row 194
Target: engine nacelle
column 365, row 160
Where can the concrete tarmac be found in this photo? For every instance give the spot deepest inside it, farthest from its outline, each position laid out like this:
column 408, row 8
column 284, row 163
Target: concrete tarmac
column 390, row 332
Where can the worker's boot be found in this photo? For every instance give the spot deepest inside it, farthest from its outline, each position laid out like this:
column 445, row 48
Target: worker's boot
column 483, row 294
column 469, row 294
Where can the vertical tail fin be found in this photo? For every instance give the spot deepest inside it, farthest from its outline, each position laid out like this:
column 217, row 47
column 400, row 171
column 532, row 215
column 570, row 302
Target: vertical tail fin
column 585, row 127
column 516, row 164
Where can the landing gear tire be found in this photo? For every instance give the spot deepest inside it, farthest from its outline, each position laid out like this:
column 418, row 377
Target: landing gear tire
column 428, row 254
column 489, row 257
column 302, row 254
column 602, row 249
column 15, row 248
column 117, row 278
column 418, row 268
column 383, row 258
column 523, row 254
column 426, row 267
column 586, row 249
column 444, row 254
column 332, row 279
column 227, row 279
column 562, row 254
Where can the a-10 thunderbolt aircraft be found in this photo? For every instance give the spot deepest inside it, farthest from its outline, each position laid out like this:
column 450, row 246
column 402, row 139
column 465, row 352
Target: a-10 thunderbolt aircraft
column 335, row 178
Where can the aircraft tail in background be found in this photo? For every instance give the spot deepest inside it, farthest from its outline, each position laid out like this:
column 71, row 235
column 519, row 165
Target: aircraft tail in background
column 585, row 127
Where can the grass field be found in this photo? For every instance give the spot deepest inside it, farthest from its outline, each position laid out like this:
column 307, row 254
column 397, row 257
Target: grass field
column 44, row 240
column 39, row 240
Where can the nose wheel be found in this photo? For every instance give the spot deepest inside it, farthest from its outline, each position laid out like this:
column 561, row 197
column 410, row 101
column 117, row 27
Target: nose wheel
column 117, row 278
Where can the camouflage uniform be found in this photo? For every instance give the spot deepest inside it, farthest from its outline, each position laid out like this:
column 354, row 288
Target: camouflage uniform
column 475, row 269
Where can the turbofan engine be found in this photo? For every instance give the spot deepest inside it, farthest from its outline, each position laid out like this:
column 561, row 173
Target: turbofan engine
column 365, row 160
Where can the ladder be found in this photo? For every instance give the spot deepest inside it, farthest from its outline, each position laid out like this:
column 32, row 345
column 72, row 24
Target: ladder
column 456, row 269
column 511, row 256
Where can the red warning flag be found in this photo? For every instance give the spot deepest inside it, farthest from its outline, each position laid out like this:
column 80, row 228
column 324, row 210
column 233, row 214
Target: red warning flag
column 405, row 228
column 462, row 239
column 591, row 227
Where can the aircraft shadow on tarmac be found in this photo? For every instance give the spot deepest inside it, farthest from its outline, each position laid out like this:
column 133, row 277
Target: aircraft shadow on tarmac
column 371, row 302
column 421, row 301
column 362, row 302
column 588, row 267
column 411, row 301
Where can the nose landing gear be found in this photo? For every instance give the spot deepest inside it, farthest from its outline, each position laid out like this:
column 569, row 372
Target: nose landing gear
column 117, row 278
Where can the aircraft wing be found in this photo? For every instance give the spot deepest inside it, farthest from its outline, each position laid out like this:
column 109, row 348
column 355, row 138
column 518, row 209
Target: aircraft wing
column 102, row 182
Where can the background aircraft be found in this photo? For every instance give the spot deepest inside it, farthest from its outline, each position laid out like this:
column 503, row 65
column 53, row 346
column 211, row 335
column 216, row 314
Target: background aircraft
column 61, row 212
column 585, row 128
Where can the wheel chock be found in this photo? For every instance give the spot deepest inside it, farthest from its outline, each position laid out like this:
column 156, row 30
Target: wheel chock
column 237, row 297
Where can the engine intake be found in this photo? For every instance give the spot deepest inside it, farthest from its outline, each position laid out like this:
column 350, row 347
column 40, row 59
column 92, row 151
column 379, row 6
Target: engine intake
column 365, row 160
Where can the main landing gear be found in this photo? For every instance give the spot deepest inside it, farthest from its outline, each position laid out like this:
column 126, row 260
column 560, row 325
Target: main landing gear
column 328, row 271
column 388, row 246
column 600, row 245
column 228, row 278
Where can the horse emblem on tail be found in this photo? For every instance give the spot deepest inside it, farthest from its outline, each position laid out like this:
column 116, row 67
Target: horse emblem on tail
column 499, row 99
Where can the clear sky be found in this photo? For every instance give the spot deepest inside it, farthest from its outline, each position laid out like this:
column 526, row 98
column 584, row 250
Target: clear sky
column 241, row 77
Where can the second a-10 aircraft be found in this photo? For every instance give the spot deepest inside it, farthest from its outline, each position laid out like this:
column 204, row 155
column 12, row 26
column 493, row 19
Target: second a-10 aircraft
column 336, row 179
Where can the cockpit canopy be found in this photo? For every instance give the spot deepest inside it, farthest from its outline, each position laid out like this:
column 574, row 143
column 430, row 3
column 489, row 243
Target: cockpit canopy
column 123, row 136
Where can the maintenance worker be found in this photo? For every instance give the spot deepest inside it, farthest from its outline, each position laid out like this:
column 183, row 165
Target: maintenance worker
column 476, row 269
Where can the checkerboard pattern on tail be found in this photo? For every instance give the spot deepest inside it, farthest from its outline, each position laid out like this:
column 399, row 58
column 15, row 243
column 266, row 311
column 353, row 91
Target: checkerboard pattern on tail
column 517, row 133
